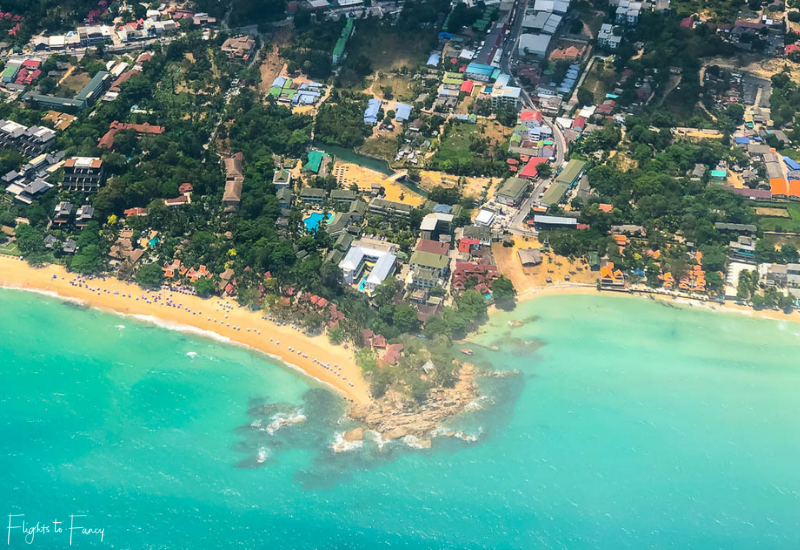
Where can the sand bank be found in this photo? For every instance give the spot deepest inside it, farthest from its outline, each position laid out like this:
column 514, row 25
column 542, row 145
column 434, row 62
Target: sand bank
column 213, row 317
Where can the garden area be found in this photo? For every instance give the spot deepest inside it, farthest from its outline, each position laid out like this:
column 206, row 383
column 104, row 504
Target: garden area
column 779, row 217
column 472, row 149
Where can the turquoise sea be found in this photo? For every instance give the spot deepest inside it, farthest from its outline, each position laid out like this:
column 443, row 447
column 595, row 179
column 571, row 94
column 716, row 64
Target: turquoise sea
column 629, row 425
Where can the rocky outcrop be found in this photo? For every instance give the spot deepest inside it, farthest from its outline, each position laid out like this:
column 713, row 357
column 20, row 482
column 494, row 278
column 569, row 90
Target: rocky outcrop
column 356, row 434
column 394, row 417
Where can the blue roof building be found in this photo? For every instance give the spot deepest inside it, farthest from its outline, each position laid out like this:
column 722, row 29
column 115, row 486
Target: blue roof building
column 433, row 60
column 742, row 140
column 371, row 112
column 480, row 72
column 442, row 209
column 791, row 163
column 279, row 82
column 402, row 112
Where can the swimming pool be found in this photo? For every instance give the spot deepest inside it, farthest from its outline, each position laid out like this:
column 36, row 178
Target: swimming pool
column 312, row 220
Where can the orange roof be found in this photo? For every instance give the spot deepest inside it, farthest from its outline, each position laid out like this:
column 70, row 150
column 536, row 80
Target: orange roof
column 621, row 240
column 605, row 207
column 778, row 186
column 794, row 188
column 699, row 257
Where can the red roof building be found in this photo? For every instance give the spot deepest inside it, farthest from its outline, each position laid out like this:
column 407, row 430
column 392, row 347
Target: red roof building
column 107, row 141
column 528, row 116
column 466, row 245
column 135, row 212
column 530, row 171
column 435, row 247
column 467, row 86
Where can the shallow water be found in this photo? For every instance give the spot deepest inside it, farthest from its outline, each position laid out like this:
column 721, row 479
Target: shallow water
column 628, row 425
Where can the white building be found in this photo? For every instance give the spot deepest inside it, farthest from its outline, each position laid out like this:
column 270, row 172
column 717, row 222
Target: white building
column 536, row 45
column 485, row 218
column 606, row 37
column 354, row 263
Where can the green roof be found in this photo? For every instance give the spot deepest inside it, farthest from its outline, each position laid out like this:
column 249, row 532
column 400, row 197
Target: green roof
column 287, row 83
column 513, row 187
column 457, row 76
column 555, row 194
column 275, row 91
column 10, row 71
column 457, row 81
column 429, row 259
column 92, row 86
column 315, row 160
column 569, row 174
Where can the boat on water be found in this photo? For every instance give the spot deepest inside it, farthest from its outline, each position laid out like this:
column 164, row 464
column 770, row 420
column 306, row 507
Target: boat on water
column 467, row 352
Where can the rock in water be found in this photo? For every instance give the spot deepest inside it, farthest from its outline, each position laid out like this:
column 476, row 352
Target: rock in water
column 356, row 434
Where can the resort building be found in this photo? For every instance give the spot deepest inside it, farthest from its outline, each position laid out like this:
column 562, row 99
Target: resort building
column 282, row 178
column 85, row 174
column 62, row 213
column 437, row 262
column 343, row 195
column 234, row 180
column 107, row 141
column 31, row 141
column 377, row 257
column 423, row 278
column 241, row 47
column 312, row 195
column 84, row 215
column 389, row 208
column 530, row 257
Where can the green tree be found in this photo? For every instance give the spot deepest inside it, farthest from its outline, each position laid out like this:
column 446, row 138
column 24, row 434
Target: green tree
column 336, row 335
column 503, row 289
column 150, row 276
column 405, row 319
column 204, row 287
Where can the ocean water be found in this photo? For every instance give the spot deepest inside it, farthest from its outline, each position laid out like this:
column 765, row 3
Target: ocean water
column 620, row 424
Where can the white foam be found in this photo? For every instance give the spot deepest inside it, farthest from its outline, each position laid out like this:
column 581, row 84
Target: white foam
column 263, row 454
column 340, row 445
column 48, row 293
column 279, row 420
column 191, row 354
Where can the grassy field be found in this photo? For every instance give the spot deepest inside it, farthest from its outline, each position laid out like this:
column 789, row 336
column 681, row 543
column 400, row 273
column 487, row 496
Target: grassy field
column 455, row 145
column 401, row 87
column 381, row 146
column 599, row 81
column 76, row 81
column 790, row 224
column 389, row 48
column 11, row 249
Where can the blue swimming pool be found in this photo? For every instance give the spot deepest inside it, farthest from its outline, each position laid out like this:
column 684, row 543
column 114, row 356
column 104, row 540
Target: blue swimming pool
column 312, row 220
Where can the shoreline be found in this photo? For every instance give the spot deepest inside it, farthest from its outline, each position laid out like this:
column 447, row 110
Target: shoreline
column 586, row 290
column 280, row 343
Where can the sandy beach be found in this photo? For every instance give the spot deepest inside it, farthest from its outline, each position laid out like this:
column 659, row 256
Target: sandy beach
column 215, row 317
